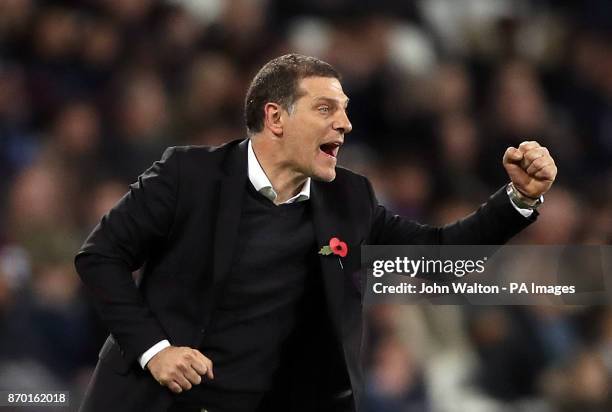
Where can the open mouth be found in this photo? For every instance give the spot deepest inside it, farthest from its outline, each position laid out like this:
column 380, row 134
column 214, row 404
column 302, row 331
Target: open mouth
column 330, row 149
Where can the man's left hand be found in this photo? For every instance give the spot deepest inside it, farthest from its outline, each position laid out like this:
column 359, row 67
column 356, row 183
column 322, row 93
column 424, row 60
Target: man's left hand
column 531, row 168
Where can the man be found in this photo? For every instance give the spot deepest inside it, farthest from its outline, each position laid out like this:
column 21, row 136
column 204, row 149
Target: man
column 236, row 310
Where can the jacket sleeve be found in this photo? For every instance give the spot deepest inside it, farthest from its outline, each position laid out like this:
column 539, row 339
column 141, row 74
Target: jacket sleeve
column 119, row 245
column 493, row 223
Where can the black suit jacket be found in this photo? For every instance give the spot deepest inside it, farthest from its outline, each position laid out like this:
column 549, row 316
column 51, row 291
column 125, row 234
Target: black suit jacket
column 179, row 222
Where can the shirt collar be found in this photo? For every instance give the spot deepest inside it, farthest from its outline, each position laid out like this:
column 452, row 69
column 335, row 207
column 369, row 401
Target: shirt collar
column 262, row 184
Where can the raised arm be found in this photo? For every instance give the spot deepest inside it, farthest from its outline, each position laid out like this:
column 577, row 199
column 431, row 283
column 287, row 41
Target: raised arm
column 531, row 170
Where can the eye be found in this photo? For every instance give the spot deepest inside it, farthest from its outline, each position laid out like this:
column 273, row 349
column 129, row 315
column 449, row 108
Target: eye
column 323, row 109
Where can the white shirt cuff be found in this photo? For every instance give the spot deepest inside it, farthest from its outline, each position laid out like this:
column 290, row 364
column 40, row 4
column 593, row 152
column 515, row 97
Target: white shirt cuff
column 525, row 212
column 153, row 350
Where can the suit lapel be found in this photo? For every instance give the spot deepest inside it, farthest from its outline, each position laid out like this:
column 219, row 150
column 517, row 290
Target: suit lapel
column 231, row 195
column 327, row 225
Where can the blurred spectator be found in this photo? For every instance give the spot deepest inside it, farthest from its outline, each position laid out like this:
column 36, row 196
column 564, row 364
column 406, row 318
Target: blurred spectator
column 212, row 96
column 38, row 202
column 141, row 119
column 103, row 196
column 560, row 220
column 396, row 383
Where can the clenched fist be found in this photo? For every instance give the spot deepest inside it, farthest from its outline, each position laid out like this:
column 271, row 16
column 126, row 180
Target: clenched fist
column 531, row 168
column 179, row 368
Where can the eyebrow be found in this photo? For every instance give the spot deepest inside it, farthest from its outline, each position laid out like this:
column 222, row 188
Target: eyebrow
column 331, row 100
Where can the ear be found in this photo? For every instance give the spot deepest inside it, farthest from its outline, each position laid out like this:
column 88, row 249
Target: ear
column 273, row 119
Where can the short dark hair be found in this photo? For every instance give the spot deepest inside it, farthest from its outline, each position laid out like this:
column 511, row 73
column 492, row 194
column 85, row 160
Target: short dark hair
column 277, row 81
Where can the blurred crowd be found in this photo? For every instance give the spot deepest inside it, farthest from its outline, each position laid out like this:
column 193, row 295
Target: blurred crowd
column 92, row 91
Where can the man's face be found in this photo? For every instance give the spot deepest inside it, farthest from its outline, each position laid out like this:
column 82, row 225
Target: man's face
column 315, row 128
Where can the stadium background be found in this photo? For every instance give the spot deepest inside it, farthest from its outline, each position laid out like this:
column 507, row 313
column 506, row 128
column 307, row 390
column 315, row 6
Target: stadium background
column 92, row 91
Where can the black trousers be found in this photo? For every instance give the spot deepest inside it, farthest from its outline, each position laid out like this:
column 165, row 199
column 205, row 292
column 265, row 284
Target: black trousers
column 254, row 403
column 219, row 401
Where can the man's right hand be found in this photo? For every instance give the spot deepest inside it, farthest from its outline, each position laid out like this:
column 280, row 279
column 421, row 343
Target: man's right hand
column 179, row 368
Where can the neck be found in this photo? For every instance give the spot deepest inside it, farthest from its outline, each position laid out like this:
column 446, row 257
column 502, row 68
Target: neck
column 286, row 181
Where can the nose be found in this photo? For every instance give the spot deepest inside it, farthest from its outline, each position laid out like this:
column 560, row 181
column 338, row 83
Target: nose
column 342, row 123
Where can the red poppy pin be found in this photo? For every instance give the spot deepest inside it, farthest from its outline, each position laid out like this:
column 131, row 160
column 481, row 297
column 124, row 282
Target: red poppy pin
column 336, row 246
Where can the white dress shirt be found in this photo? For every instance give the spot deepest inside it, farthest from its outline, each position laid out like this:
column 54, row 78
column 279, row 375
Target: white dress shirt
column 262, row 184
